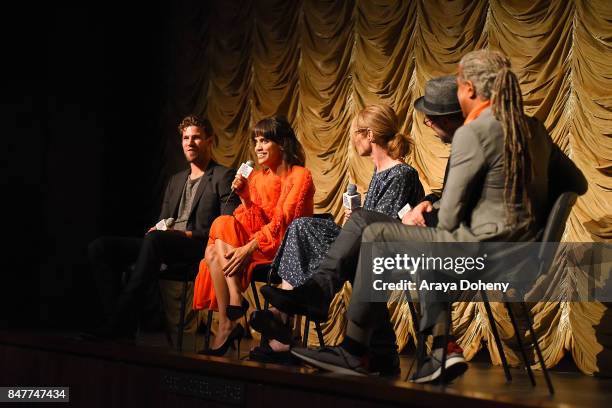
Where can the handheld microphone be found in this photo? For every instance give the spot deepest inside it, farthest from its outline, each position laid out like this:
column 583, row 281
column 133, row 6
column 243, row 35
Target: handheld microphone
column 164, row 224
column 351, row 199
column 245, row 171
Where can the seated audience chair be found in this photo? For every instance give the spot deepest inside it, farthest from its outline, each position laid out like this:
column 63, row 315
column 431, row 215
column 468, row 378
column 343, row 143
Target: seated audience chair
column 184, row 273
column 552, row 232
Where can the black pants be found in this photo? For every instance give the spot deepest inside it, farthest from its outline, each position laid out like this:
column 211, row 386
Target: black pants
column 340, row 265
column 368, row 316
column 340, row 262
column 112, row 256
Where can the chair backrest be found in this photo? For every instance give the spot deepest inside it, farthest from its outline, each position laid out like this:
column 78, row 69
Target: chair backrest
column 555, row 224
column 557, row 217
column 263, row 272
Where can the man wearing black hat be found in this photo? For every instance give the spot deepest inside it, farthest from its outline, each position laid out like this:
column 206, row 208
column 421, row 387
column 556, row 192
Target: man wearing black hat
column 479, row 204
column 443, row 115
column 443, row 118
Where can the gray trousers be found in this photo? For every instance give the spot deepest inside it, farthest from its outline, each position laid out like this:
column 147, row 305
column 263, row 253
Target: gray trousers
column 340, row 265
column 367, row 318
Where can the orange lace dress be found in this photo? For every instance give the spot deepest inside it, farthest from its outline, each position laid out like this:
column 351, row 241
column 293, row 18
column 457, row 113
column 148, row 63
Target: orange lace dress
column 276, row 201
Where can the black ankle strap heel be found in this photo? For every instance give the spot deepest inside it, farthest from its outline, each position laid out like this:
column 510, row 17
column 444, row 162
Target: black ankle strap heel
column 236, row 312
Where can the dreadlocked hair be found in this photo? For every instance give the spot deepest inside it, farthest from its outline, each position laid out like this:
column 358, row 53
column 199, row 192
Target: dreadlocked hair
column 507, row 106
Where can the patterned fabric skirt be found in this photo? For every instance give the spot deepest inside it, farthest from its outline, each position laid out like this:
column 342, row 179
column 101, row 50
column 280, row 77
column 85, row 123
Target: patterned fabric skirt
column 306, row 243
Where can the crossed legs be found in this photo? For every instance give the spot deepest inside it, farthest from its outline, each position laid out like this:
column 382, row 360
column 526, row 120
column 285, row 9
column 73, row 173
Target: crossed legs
column 227, row 288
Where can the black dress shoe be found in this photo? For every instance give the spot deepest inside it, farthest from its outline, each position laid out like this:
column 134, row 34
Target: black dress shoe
column 307, row 300
column 266, row 323
column 265, row 354
column 235, row 335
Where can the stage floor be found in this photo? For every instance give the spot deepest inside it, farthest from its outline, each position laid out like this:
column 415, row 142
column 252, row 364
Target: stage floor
column 482, row 385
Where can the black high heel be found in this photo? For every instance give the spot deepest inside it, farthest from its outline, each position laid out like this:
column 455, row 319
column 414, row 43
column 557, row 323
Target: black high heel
column 236, row 335
column 265, row 322
column 236, row 312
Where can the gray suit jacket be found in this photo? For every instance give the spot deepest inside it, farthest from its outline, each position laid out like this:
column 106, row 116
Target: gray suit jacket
column 472, row 204
column 210, row 201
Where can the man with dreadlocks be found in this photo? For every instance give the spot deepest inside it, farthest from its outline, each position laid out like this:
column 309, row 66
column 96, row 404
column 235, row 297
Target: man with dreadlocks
column 497, row 189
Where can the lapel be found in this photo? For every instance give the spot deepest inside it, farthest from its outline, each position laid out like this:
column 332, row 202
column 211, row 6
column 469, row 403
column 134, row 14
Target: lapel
column 445, row 174
column 206, row 180
column 177, row 191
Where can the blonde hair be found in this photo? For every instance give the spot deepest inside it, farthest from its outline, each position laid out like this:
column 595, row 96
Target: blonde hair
column 383, row 122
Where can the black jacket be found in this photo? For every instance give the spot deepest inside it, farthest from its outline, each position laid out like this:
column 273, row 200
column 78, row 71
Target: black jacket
column 209, row 201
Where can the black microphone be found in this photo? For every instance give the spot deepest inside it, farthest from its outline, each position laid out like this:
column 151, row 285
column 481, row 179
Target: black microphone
column 351, row 199
column 245, row 171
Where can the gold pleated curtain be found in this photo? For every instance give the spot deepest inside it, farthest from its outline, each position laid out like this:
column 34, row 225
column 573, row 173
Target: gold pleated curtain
column 319, row 62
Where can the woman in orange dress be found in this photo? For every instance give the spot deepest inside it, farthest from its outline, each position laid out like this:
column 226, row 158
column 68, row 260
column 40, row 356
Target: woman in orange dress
column 271, row 198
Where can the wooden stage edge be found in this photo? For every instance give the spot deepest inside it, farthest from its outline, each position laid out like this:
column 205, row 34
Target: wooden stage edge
column 114, row 374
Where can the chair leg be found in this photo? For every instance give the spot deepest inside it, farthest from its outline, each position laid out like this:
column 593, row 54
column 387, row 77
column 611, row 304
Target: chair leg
column 536, row 344
column 268, row 282
column 181, row 324
column 498, row 343
column 306, row 327
column 519, row 341
column 263, row 339
column 419, row 354
column 320, row 334
column 209, row 321
column 167, row 325
column 255, row 296
column 414, row 316
column 445, row 348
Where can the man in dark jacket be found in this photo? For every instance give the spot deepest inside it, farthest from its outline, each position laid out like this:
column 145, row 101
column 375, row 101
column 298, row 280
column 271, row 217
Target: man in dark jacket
column 192, row 200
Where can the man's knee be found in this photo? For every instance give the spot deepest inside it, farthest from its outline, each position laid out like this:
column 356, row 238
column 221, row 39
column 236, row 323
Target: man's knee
column 363, row 218
column 373, row 232
column 98, row 248
column 154, row 238
column 358, row 219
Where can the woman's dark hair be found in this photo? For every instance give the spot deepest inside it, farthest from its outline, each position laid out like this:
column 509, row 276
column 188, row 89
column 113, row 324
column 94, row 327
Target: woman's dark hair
column 278, row 130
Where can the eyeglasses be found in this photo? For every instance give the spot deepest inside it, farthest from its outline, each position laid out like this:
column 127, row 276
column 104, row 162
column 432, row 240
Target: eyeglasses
column 427, row 122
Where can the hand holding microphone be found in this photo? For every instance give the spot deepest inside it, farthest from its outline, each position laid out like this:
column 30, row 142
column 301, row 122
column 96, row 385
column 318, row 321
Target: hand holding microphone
column 243, row 173
column 165, row 224
column 351, row 200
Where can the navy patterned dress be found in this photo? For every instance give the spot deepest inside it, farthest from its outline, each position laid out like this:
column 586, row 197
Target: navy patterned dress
column 308, row 239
